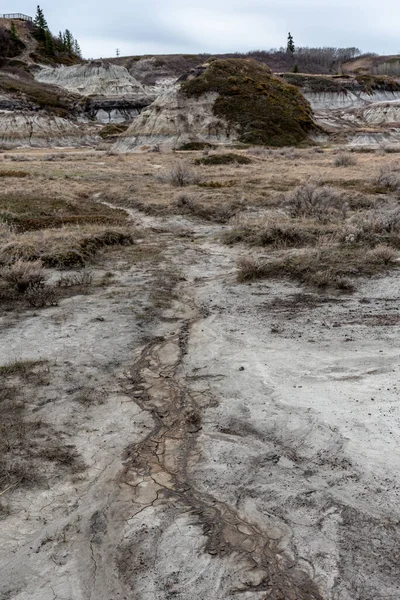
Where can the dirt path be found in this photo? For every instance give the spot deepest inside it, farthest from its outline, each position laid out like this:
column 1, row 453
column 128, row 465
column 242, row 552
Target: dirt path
column 241, row 452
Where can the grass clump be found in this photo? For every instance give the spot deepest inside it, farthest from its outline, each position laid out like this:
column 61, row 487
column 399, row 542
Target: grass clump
column 24, row 280
column 23, row 274
column 65, row 248
column 260, row 106
column 220, row 213
column 20, row 368
column 321, row 268
column 277, row 232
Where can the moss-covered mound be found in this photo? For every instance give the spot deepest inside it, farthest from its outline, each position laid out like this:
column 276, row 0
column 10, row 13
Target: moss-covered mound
column 262, row 107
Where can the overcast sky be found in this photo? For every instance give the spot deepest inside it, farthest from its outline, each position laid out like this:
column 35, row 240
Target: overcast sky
column 178, row 26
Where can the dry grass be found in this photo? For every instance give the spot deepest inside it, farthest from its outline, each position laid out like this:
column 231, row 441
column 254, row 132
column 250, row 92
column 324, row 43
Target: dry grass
column 23, row 282
column 321, row 268
column 23, row 275
column 189, row 204
column 64, row 227
column 277, row 232
column 29, row 447
column 27, row 211
column 68, row 247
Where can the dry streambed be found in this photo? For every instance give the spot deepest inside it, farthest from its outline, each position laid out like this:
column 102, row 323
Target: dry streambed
column 227, row 440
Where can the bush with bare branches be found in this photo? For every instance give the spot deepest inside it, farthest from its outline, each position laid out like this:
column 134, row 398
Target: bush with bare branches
column 181, row 175
column 323, row 203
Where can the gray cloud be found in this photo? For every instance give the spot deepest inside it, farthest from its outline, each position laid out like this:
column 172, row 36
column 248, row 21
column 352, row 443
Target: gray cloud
column 168, row 26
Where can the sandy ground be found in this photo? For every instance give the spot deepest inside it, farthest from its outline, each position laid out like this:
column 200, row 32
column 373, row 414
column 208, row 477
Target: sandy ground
column 241, row 443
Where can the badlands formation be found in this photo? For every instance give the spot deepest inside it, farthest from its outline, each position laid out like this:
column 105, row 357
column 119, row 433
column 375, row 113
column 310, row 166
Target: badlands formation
column 199, row 332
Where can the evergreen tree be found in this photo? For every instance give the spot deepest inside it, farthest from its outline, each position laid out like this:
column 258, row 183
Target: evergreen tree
column 49, row 43
column 290, row 48
column 77, row 48
column 40, row 24
column 68, row 41
column 295, row 68
column 60, row 40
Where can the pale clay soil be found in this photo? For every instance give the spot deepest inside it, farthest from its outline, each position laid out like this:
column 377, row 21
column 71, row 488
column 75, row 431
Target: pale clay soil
column 240, row 441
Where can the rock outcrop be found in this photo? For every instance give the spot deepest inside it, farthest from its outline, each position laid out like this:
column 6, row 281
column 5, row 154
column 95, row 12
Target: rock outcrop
column 225, row 101
column 95, row 78
column 173, row 120
column 114, row 96
column 19, row 129
column 364, row 109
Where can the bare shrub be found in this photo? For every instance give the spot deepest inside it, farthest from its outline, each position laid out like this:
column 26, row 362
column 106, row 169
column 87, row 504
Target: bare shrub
column 323, row 203
column 181, row 175
column 75, row 279
column 382, row 254
column 24, row 275
column 389, row 178
column 259, row 151
column 40, row 297
column 344, row 160
column 373, row 226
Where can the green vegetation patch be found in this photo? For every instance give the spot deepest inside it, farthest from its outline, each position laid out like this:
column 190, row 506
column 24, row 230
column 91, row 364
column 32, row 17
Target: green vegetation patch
column 12, row 173
column 262, row 107
column 53, row 99
column 224, row 159
column 319, row 84
column 35, row 211
column 189, row 146
column 113, row 129
column 314, row 83
column 372, row 83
